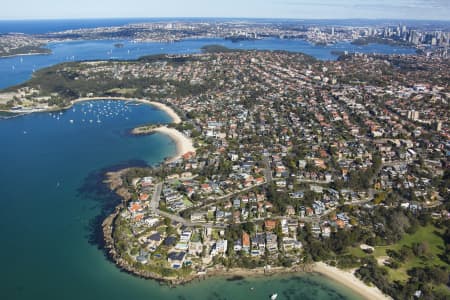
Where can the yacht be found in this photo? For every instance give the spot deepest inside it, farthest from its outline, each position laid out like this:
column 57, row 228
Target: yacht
column 274, row 296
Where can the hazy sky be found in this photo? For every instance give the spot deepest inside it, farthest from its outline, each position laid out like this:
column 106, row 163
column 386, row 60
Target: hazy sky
column 300, row 9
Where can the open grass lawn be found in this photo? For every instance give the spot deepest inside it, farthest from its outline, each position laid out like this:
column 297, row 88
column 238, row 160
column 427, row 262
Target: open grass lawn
column 429, row 234
column 356, row 251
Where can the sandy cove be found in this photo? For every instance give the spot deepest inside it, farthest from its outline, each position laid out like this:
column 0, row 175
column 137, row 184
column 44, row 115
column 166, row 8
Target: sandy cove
column 349, row 280
column 183, row 143
column 168, row 110
column 161, row 106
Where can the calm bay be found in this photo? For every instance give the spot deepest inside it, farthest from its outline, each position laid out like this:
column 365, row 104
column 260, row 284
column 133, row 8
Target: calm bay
column 52, row 196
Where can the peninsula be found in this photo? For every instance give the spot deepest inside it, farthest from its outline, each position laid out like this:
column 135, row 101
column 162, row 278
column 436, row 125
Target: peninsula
column 21, row 44
column 284, row 163
column 431, row 39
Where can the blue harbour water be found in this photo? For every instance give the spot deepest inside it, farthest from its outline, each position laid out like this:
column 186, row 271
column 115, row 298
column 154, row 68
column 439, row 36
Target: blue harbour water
column 51, row 193
column 52, row 197
column 15, row 70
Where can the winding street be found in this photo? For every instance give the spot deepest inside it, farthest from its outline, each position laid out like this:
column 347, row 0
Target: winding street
column 154, row 204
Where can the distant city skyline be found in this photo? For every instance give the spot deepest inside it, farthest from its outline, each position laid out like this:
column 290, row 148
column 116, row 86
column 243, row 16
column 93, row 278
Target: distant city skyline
column 293, row 9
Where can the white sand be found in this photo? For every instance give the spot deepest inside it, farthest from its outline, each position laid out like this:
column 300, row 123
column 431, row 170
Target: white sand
column 168, row 110
column 184, row 144
column 349, row 280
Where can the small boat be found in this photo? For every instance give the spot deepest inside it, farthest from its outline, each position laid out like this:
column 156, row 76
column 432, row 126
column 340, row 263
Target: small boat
column 71, row 121
column 274, row 296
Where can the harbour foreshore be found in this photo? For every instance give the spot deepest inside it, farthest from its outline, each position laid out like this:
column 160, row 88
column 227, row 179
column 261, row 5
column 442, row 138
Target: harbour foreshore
column 184, row 144
column 161, row 106
column 349, row 280
column 346, row 279
column 175, row 118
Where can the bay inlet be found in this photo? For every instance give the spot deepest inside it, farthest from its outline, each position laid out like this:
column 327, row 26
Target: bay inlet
column 16, row 70
column 53, row 197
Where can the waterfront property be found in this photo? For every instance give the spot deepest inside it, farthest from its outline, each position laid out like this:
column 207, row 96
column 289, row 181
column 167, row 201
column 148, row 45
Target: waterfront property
column 271, row 185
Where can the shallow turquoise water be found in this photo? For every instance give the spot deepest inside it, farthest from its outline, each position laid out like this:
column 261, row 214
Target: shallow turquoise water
column 51, row 193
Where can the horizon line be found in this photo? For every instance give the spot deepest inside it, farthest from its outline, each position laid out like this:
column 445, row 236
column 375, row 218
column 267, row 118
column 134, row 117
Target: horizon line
column 229, row 18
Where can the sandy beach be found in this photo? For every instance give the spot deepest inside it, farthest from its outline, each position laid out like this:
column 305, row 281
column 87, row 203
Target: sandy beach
column 161, row 106
column 168, row 110
column 183, row 143
column 349, row 280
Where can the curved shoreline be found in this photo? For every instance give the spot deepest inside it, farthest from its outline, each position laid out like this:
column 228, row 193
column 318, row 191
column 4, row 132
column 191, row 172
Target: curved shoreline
column 346, row 279
column 341, row 277
column 161, row 106
column 175, row 118
column 184, row 145
column 182, row 142
column 349, row 280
